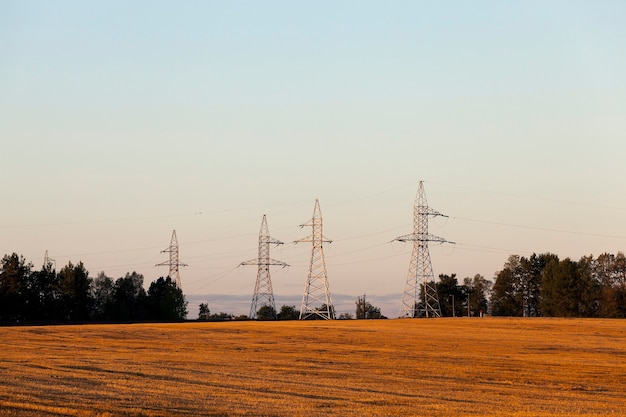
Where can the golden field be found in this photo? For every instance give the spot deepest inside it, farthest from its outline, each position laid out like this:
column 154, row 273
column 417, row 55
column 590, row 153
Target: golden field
column 421, row 367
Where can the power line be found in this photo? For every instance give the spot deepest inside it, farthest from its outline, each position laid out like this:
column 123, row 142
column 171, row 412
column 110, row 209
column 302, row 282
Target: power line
column 545, row 229
column 550, row 200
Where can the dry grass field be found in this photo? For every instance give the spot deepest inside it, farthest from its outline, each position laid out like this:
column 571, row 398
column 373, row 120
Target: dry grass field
column 437, row 367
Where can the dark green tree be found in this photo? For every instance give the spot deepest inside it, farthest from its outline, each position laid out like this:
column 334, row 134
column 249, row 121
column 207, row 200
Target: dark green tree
column 326, row 310
column 266, row 312
column 75, row 292
column 506, row 297
column 288, row 313
column 530, row 276
column 567, row 290
column 517, row 290
column 44, row 295
column 450, row 295
column 128, row 301
column 478, row 288
column 608, row 272
column 103, row 291
column 221, row 316
column 365, row 310
column 203, row 312
column 14, row 276
column 166, row 301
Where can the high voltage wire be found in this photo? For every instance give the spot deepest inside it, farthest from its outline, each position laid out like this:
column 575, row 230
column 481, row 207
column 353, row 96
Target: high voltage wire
column 508, row 194
column 158, row 216
column 370, row 260
column 224, row 237
column 546, row 229
column 488, row 249
column 226, row 255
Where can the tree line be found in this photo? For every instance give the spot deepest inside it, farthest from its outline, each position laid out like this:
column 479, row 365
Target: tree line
column 544, row 285
column 540, row 285
column 72, row 295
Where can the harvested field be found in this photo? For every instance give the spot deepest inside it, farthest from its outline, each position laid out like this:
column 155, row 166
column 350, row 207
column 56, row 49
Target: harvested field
column 436, row 367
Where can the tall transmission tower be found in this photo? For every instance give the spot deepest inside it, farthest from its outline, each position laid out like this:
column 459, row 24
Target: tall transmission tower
column 316, row 290
column 173, row 262
column 420, row 294
column 263, row 294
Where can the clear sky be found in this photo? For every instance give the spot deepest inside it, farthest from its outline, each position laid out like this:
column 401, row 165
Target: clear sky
column 122, row 121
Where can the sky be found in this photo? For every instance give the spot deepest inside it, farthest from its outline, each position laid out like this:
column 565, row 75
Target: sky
column 123, row 121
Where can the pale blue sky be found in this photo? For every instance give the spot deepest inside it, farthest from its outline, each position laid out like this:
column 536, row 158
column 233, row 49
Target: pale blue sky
column 120, row 121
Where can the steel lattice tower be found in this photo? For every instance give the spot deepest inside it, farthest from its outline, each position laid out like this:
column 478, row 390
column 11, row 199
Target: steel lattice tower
column 420, row 294
column 47, row 261
column 174, row 262
column 316, row 291
column 263, row 294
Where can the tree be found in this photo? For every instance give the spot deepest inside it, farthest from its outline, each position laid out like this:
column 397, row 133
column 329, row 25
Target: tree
column 567, row 290
column 75, row 292
column 323, row 312
column 14, row 275
column 517, row 290
column 266, row 312
column 450, row 296
column 506, row 298
column 345, row 316
column 221, row 316
column 608, row 272
column 204, row 312
column 478, row 289
column 365, row 310
column 327, row 311
column 102, row 291
column 166, row 301
column 530, row 276
column 43, row 295
column 129, row 298
column 288, row 313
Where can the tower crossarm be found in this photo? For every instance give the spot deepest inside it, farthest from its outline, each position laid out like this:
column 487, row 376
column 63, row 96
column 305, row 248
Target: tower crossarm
column 418, row 238
column 310, row 239
column 275, row 241
column 269, row 262
column 430, row 212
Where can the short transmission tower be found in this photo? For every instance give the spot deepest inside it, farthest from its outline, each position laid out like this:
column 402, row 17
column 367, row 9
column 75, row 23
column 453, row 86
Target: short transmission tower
column 173, row 263
column 263, row 294
column 316, row 290
column 420, row 294
column 48, row 261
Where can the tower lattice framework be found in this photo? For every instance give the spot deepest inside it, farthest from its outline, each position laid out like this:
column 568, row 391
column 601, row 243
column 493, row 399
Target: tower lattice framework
column 420, row 294
column 263, row 293
column 174, row 262
column 316, row 301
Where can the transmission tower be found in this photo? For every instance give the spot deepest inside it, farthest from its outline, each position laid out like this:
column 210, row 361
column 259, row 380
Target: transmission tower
column 173, row 263
column 420, row 294
column 316, row 290
column 47, row 261
column 263, row 294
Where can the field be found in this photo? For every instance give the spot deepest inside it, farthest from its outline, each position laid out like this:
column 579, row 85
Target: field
column 428, row 367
